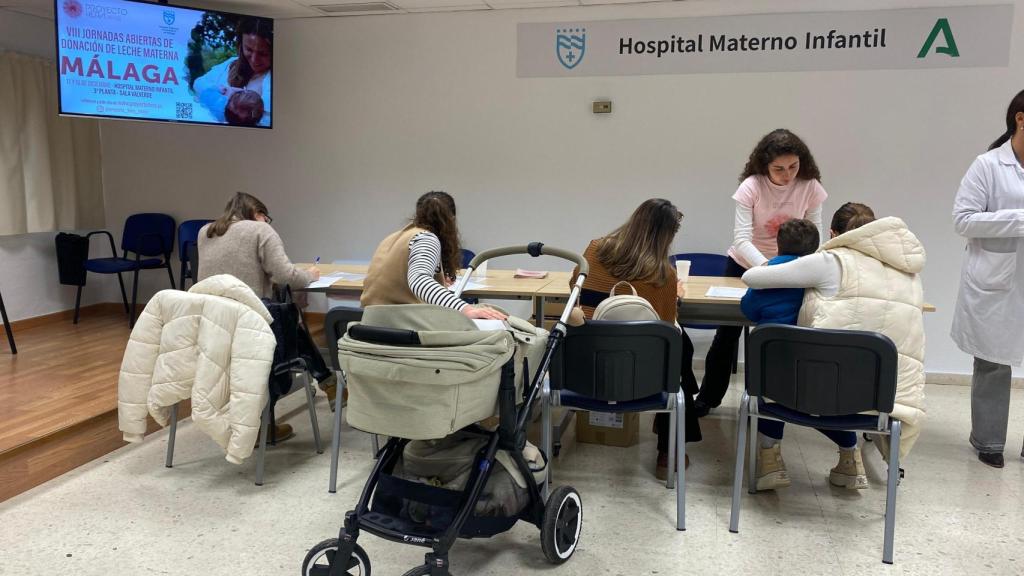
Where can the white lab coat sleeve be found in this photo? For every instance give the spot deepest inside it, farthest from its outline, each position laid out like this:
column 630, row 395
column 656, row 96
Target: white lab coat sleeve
column 971, row 217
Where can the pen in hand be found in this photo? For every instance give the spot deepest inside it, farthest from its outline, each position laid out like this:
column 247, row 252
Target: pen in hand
column 315, row 270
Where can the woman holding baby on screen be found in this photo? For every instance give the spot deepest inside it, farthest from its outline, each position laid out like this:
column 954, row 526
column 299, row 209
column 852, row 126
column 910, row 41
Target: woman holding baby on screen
column 238, row 90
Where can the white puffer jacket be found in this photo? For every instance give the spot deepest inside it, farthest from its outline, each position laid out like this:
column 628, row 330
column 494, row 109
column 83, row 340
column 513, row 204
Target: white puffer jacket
column 880, row 291
column 212, row 344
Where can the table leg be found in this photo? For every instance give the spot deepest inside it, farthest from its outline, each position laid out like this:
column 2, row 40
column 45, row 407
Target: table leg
column 538, row 311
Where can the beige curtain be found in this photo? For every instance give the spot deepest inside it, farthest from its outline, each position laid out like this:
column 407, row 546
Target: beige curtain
column 50, row 167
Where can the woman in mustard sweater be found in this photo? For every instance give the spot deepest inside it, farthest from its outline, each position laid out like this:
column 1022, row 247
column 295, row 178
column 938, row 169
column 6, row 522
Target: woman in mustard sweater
column 637, row 252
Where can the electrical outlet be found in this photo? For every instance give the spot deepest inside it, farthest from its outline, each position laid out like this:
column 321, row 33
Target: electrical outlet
column 602, row 107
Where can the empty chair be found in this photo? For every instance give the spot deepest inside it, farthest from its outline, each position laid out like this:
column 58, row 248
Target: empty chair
column 621, row 367
column 150, row 237
column 188, row 255
column 7, row 326
column 467, row 257
column 704, row 264
column 823, row 379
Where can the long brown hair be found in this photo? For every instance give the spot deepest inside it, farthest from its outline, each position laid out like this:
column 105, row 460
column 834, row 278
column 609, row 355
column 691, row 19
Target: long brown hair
column 638, row 250
column 780, row 142
column 435, row 212
column 240, row 72
column 1016, row 107
column 851, row 216
column 242, row 206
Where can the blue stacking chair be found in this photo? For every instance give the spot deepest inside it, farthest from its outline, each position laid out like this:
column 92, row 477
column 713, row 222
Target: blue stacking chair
column 188, row 249
column 704, row 264
column 150, row 237
column 618, row 367
column 467, row 257
column 828, row 379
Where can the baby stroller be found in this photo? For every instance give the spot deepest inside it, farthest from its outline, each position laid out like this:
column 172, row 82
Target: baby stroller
column 427, row 377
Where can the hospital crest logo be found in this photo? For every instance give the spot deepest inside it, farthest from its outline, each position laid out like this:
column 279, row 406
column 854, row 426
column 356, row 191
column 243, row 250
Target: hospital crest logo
column 570, row 45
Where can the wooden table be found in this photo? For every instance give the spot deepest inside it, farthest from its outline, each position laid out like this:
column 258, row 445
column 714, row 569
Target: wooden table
column 497, row 285
column 697, row 307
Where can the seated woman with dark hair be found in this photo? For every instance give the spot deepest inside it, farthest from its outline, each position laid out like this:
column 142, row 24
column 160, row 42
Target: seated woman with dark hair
column 417, row 263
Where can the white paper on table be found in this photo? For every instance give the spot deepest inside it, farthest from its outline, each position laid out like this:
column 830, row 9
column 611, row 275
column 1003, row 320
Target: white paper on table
column 471, row 285
column 490, row 324
column 327, row 280
column 725, row 292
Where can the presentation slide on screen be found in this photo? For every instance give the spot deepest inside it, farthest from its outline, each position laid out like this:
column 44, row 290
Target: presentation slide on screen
column 126, row 59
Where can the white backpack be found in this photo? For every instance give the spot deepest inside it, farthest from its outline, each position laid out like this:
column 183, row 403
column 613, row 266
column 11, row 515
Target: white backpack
column 624, row 307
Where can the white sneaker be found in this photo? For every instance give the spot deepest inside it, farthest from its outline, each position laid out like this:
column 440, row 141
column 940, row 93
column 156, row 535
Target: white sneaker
column 849, row 473
column 771, row 469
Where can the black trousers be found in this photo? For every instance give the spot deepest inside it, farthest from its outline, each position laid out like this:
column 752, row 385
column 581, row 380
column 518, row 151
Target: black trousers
column 688, row 383
column 718, row 363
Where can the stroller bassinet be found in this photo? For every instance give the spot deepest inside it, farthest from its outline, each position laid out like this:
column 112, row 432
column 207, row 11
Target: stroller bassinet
column 445, row 383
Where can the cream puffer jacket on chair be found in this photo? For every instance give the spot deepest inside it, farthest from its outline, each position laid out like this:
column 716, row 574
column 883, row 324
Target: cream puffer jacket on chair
column 212, row 344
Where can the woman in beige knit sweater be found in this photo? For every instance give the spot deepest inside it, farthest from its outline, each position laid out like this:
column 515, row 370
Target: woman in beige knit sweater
column 242, row 243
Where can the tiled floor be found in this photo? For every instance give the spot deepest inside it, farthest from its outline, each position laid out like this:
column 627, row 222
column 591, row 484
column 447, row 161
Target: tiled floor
column 127, row 514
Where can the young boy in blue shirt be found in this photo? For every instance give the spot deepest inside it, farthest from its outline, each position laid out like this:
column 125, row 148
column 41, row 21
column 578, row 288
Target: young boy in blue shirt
column 782, row 306
column 796, row 238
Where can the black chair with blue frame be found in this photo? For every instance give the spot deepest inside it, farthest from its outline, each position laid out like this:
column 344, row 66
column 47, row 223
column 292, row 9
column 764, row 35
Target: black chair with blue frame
column 622, row 367
column 335, row 326
column 188, row 249
column 827, row 379
column 150, row 237
column 7, row 326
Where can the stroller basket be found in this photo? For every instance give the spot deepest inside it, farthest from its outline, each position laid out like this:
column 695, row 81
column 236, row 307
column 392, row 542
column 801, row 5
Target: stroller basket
column 423, row 372
column 427, row 511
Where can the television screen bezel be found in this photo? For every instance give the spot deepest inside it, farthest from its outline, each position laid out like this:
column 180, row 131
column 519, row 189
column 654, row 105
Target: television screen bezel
column 60, row 100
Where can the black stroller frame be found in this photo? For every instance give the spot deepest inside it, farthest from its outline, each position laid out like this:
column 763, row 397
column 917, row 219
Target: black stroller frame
column 558, row 515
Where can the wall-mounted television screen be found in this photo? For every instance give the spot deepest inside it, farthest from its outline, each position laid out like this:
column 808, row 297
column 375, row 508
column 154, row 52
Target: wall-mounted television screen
column 144, row 61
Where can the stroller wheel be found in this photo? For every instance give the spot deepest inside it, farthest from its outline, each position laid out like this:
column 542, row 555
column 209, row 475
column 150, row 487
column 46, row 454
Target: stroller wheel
column 318, row 561
column 418, row 571
column 563, row 522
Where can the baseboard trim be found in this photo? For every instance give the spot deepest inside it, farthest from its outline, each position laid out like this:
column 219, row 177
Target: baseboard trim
column 951, row 379
column 99, row 309
column 935, row 378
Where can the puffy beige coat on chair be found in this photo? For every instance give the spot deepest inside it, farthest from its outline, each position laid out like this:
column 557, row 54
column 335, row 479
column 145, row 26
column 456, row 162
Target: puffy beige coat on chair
column 212, row 344
column 881, row 291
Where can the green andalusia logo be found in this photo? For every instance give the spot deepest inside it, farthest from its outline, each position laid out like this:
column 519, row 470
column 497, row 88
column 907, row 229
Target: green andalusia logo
column 950, row 49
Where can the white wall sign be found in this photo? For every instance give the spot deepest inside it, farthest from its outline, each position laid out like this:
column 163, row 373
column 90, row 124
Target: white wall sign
column 951, row 37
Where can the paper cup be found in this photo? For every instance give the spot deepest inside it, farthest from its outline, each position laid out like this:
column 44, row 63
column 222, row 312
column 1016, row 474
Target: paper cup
column 481, row 270
column 683, row 269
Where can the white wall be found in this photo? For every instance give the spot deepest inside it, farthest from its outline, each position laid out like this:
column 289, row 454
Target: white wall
column 372, row 111
column 28, row 262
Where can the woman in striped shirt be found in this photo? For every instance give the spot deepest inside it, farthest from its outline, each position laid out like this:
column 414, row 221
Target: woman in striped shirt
column 417, row 263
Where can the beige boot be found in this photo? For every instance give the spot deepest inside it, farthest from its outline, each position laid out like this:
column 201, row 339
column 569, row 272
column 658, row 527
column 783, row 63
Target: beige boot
column 771, row 469
column 849, row 473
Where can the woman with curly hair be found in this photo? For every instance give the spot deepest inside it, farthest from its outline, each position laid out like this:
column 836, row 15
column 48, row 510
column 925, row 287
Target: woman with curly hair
column 780, row 182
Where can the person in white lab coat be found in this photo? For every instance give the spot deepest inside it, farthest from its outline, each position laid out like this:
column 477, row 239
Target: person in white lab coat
column 989, row 212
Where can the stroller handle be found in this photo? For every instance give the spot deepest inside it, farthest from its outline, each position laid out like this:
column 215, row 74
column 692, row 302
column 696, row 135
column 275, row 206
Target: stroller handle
column 534, row 249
